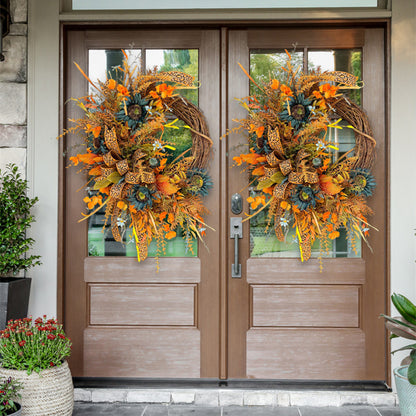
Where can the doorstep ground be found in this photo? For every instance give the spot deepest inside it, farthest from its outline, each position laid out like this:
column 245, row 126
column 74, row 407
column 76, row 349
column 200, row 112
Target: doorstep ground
column 124, row 409
column 217, row 397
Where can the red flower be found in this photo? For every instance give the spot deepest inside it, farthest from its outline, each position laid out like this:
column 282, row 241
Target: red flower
column 22, row 343
column 51, row 336
column 29, row 333
column 61, row 336
column 52, row 364
column 6, row 335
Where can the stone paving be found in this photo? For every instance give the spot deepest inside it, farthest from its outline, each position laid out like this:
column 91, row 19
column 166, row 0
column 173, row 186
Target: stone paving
column 95, row 409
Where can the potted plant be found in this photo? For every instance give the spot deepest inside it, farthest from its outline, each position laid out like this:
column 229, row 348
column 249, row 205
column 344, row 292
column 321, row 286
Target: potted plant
column 15, row 219
column 9, row 392
column 34, row 353
column 404, row 326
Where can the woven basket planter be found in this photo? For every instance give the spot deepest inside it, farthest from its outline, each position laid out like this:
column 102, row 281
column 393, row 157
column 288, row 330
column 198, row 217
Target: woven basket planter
column 49, row 393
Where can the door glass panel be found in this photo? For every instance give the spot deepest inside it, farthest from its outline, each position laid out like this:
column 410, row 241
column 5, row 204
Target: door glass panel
column 265, row 65
column 103, row 63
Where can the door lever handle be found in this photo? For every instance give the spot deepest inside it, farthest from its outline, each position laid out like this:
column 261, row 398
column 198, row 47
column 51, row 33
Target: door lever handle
column 236, row 232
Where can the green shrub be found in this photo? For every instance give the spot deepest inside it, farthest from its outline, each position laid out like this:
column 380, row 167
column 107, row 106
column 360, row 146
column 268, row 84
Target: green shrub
column 15, row 219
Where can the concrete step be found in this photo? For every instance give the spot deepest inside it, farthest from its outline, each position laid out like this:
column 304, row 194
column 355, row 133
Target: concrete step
column 220, row 397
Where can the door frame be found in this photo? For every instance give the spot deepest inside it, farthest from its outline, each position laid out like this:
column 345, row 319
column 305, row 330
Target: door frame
column 223, row 26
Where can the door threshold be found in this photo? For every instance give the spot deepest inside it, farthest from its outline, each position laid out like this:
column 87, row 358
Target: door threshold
column 129, row 383
column 215, row 393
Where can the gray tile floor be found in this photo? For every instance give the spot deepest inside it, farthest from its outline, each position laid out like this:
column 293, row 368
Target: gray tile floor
column 89, row 409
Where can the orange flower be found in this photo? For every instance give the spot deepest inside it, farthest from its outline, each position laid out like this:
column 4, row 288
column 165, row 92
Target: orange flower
column 164, row 186
column 259, row 171
column 122, row 205
column 286, row 90
column 328, row 90
column 74, row 160
column 93, row 201
column 274, row 84
column 162, row 215
column 256, row 201
column 122, row 90
column 95, row 171
column 170, row 235
column 95, row 130
column 111, row 84
column 328, row 185
column 258, row 130
column 333, row 235
column 165, row 90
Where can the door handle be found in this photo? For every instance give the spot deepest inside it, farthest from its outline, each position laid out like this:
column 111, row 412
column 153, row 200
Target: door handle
column 236, row 232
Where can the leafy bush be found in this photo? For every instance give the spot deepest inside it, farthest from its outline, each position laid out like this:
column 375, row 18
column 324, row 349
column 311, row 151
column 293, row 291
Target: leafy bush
column 9, row 392
column 15, row 219
column 33, row 345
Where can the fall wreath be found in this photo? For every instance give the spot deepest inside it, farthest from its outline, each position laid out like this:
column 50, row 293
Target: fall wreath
column 129, row 161
column 291, row 159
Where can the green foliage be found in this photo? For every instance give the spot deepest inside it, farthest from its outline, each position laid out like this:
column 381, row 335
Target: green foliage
column 404, row 327
column 15, row 219
column 9, row 392
column 33, row 345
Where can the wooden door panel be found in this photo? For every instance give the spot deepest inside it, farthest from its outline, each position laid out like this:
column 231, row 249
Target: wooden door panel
column 306, row 354
column 305, row 306
column 128, row 270
column 149, row 352
column 142, row 305
column 342, row 271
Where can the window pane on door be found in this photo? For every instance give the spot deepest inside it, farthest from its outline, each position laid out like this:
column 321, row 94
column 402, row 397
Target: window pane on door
column 265, row 65
column 103, row 63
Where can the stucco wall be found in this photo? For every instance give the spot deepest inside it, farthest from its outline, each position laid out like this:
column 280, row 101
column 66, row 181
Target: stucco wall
column 403, row 153
column 13, row 83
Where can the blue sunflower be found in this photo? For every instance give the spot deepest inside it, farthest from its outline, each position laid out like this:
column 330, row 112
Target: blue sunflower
column 199, row 182
column 134, row 111
column 362, row 182
column 141, row 197
column 300, row 110
column 304, row 197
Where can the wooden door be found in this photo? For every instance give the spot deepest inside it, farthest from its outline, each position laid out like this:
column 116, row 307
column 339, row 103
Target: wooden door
column 125, row 319
column 282, row 319
column 286, row 319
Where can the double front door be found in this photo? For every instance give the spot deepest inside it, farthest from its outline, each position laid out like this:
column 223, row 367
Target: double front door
column 282, row 319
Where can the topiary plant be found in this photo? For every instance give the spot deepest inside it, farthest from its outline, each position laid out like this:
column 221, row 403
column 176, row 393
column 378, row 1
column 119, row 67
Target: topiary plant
column 15, row 219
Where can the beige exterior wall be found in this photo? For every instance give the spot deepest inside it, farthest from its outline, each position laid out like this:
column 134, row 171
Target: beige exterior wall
column 403, row 151
column 42, row 147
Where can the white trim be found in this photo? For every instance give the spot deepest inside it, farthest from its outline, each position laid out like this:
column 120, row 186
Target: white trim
column 217, row 4
column 42, row 149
